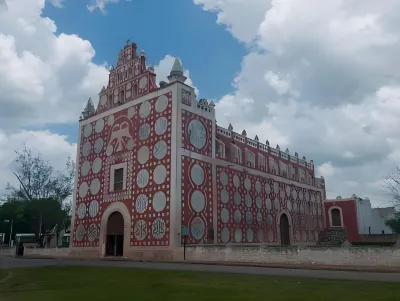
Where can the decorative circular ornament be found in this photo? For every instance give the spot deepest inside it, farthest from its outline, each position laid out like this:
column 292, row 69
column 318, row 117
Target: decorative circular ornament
column 224, row 215
column 143, row 155
column 160, row 149
column 85, row 168
column 198, row 201
column 277, row 204
column 276, row 187
column 247, row 184
column 197, row 174
column 161, row 104
column 144, row 131
column 258, row 186
column 95, row 186
column 94, row 208
column 237, row 216
column 236, row 181
column 140, row 230
column 143, row 83
column 287, row 190
column 145, row 109
column 267, row 188
column 289, row 205
column 270, row 220
column 197, row 228
column 142, row 178
column 260, row 235
column 270, row 236
column 110, row 120
column 159, row 201
column 223, row 177
column 81, row 211
column 259, row 202
column 237, row 198
column 224, row 196
column 141, row 203
column 294, row 192
column 99, row 126
column 158, row 228
column 131, row 112
column 249, row 217
column 248, row 200
column 93, row 232
column 130, row 144
column 160, row 174
column 268, row 204
column 83, row 189
column 161, row 125
column 97, row 164
column 109, row 150
column 238, row 235
column 225, row 235
column 87, row 130
column 259, row 218
column 80, row 232
column 86, row 149
column 197, row 134
column 250, row 235
column 98, row 145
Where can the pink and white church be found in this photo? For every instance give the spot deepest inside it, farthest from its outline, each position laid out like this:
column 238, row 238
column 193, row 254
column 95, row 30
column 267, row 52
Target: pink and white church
column 154, row 170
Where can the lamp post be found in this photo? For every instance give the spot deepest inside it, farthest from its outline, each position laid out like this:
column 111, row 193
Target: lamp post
column 11, row 229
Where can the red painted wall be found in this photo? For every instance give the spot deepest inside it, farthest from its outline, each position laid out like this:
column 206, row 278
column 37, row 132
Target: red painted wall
column 141, row 137
column 249, row 206
column 349, row 211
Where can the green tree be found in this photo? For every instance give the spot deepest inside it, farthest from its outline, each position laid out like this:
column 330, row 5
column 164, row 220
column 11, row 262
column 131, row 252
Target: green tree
column 42, row 200
column 394, row 223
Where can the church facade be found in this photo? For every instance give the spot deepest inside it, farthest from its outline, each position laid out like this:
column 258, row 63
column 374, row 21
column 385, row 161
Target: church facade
column 155, row 171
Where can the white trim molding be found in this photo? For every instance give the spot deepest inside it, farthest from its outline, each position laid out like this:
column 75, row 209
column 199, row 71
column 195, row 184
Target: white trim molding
column 330, row 216
column 114, row 167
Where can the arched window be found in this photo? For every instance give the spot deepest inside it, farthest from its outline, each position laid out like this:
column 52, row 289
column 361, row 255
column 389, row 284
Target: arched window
column 250, row 160
column 236, row 154
column 220, row 149
column 336, row 217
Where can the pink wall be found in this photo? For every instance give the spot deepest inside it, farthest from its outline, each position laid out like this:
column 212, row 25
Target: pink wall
column 349, row 212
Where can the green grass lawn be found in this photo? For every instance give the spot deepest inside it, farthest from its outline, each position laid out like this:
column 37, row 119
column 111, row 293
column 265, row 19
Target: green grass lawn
column 97, row 283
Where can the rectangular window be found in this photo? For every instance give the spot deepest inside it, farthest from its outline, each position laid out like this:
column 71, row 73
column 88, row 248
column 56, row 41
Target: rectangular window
column 118, row 179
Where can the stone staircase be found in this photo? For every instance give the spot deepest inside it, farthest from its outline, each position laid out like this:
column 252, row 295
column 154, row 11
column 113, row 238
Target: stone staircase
column 334, row 237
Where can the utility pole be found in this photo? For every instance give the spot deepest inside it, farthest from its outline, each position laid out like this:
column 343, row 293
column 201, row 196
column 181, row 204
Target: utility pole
column 40, row 228
column 11, row 230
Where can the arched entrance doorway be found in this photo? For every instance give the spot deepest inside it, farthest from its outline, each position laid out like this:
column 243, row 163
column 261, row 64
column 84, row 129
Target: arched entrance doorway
column 284, row 229
column 336, row 217
column 115, row 235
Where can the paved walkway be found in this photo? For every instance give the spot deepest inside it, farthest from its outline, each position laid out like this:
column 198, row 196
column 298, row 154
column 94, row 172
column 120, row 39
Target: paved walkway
column 9, row 262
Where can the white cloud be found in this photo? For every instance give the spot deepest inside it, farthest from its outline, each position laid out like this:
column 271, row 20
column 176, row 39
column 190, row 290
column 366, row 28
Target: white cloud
column 57, row 3
column 322, row 78
column 164, row 67
column 43, row 73
column 50, row 146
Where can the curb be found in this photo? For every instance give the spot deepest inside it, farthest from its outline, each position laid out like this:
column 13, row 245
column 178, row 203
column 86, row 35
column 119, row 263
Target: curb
column 342, row 268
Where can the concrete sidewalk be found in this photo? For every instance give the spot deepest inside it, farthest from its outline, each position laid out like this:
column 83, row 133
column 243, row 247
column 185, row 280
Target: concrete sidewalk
column 302, row 266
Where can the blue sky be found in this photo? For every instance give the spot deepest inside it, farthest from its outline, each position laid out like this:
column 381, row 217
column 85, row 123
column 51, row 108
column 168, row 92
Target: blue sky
column 176, row 27
column 318, row 79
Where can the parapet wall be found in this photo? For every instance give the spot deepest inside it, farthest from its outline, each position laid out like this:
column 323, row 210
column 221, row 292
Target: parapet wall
column 368, row 257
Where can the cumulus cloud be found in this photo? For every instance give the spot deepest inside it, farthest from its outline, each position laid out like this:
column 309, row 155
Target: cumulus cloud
column 50, row 146
column 321, row 78
column 164, row 67
column 44, row 76
column 57, row 3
